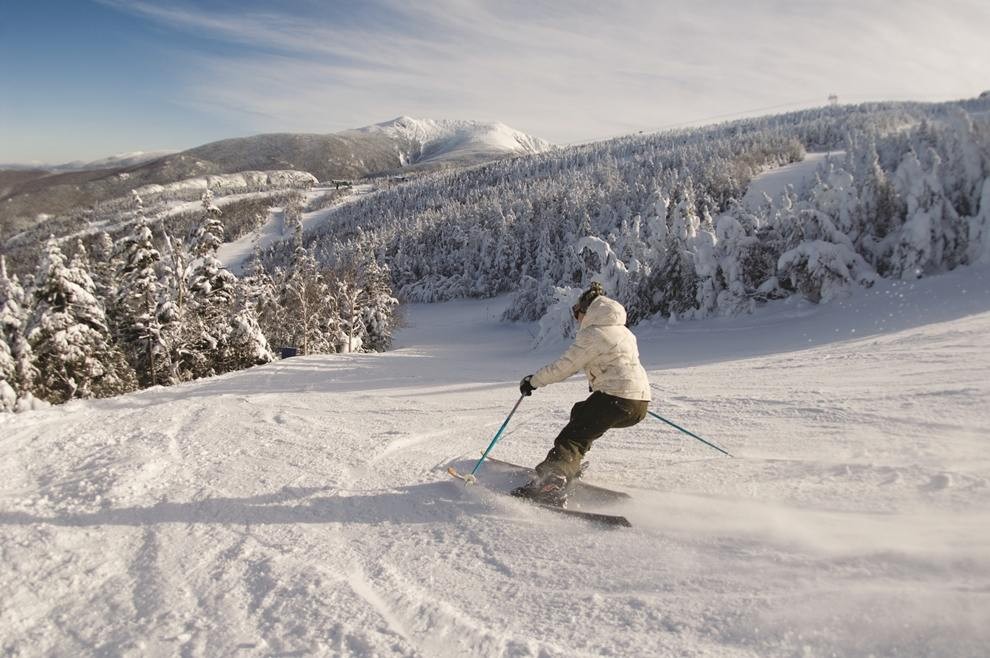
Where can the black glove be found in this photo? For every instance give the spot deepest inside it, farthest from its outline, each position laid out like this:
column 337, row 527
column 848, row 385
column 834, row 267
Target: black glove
column 525, row 387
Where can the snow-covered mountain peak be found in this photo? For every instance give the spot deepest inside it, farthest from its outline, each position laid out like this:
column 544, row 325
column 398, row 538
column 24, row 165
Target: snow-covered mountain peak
column 432, row 139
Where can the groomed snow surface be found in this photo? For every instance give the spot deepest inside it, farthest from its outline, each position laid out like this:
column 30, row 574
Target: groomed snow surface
column 302, row 508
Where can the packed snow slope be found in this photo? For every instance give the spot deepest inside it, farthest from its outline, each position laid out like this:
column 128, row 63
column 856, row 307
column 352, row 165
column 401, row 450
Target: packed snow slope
column 302, row 508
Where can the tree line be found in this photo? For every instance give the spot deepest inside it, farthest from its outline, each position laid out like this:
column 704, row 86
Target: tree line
column 151, row 310
column 659, row 217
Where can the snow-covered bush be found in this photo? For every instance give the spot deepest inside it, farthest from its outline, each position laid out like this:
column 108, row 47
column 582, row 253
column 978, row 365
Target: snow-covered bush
column 979, row 229
column 558, row 324
column 822, row 271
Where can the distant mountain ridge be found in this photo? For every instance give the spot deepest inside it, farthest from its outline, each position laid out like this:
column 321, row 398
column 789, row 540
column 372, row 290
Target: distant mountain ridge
column 132, row 159
column 117, row 161
column 378, row 149
column 458, row 141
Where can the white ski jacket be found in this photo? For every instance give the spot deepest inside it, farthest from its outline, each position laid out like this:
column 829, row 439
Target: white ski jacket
column 606, row 351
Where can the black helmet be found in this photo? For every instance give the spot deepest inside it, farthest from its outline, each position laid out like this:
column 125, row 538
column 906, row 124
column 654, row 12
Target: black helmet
column 591, row 294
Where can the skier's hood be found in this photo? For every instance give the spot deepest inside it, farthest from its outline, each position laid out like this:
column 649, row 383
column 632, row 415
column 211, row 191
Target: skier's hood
column 604, row 312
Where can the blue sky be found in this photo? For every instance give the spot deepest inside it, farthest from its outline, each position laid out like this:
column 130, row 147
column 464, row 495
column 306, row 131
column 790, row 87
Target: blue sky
column 84, row 79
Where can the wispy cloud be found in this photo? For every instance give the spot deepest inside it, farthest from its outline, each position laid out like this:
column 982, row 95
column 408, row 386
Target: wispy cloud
column 570, row 70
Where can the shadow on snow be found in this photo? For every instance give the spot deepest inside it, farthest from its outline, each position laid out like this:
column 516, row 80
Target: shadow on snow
column 422, row 503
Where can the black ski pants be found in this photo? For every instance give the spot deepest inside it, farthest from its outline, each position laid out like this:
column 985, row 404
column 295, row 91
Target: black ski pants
column 589, row 420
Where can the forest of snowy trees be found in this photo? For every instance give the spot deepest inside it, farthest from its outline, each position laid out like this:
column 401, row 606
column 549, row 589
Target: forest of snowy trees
column 133, row 315
column 658, row 219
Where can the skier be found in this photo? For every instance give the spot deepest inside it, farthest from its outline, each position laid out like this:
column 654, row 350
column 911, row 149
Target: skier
column 606, row 350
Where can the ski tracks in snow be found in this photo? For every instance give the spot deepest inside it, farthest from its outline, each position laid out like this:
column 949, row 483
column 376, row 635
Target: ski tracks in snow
column 302, row 507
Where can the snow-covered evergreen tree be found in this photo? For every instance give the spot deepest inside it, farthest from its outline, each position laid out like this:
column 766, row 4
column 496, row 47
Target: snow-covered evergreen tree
column 349, row 295
column 530, row 301
column 930, row 238
column 247, row 344
column 8, row 378
column 309, row 304
column 979, row 229
column 14, row 313
column 733, row 254
column 180, row 327
column 673, row 283
column 68, row 334
column 835, row 195
column 558, row 321
column 377, row 305
column 211, row 289
column 706, row 268
column 965, row 163
column 208, row 235
column 268, row 303
column 137, row 325
column 80, row 258
column 611, row 272
column 822, row 263
column 880, row 211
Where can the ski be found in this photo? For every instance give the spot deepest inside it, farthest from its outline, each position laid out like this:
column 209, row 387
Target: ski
column 595, row 517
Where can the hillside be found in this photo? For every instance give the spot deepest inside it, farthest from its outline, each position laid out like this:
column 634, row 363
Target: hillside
column 385, row 148
column 430, row 142
column 665, row 222
column 302, row 507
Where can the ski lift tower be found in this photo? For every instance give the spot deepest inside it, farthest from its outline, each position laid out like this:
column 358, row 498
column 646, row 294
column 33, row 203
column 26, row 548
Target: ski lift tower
column 833, row 100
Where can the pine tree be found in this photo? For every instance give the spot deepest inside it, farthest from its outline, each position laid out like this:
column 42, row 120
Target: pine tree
column 880, row 211
column 732, row 254
column 247, row 344
column 706, row 268
column 80, row 259
column 965, row 161
column 530, row 301
column 180, row 327
column 608, row 270
column 68, row 334
column 8, row 378
column 544, row 253
column 378, row 305
column 836, row 196
column 931, row 238
column 137, row 324
column 104, row 268
column 822, row 263
column 211, row 289
column 979, row 230
column 309, row 307
column 14, row 313
column 673, row 285
column 271, row 313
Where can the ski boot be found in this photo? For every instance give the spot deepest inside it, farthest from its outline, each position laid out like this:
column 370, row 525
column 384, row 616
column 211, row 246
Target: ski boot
column 550, row 489
column 584, row 467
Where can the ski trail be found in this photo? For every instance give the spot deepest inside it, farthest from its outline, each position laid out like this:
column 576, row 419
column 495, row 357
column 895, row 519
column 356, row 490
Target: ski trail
column 239, row 515
column 363, row 588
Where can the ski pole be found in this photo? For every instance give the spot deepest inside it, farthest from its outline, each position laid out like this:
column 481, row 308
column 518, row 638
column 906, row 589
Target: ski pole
column 498, row 435
column 469, row 478
column 659, row 417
